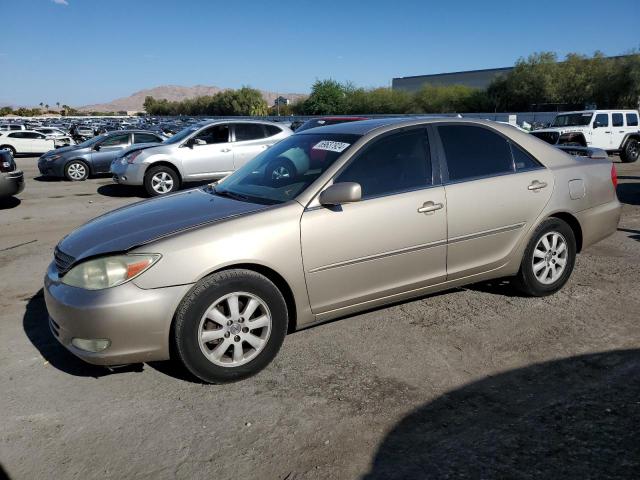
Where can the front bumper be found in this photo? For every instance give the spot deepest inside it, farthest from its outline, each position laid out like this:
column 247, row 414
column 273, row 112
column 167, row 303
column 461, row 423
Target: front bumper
column 129, row 173
column 11, row 183
column 136, row 321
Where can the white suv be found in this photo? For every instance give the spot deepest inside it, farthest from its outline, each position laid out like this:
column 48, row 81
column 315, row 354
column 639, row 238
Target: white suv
column 615, row 131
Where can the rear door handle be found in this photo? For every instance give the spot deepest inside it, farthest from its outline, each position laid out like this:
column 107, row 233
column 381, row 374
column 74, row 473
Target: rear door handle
column 225, row 150
column 429, row 207
column 537, row 185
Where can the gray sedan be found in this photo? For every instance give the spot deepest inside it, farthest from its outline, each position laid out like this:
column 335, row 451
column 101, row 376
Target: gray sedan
column 371, row 213
column 93, row 156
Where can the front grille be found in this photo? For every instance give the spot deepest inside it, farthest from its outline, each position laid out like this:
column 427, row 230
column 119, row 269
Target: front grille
column 63, row 261
column 549, row 137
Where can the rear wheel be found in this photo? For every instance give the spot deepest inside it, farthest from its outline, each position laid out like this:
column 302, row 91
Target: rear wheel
column 230, row 326
column 76, row 171
column 280, row 170
column 548, row 259
column 630, row 151
column 10, row 148
column 161, row 180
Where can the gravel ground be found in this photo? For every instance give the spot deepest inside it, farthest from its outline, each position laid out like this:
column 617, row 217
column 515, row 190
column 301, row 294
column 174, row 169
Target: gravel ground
column 471, row 383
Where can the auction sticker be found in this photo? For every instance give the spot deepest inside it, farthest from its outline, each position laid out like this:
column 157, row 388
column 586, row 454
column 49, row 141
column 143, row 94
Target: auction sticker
column 331, row 146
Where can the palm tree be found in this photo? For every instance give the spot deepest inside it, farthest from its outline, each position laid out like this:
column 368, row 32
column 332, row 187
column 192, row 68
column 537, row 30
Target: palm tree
column 58, row 105
column 46, row 106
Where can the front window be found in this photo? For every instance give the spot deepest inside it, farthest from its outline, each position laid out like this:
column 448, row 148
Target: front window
column 285, row 170
column 573, row 120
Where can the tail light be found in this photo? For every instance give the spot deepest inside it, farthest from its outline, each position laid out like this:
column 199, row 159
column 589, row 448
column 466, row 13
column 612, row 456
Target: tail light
column 614, row 176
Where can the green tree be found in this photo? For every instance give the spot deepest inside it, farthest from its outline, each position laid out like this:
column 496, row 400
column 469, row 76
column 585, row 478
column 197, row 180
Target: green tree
column 327, row 97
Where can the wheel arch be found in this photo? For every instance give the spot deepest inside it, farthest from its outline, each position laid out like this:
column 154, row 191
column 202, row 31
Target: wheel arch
column 629, row 136
column 164, row 163
column 574, row 224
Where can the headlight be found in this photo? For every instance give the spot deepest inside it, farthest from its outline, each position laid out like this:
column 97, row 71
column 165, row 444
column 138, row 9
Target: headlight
column 108, row 272
column 131, row 157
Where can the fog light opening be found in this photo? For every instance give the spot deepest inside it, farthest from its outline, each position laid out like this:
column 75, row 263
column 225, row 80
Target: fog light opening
column 93, row 345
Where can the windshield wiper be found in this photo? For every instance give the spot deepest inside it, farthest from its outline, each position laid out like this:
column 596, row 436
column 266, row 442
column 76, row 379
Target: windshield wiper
column 233, row 195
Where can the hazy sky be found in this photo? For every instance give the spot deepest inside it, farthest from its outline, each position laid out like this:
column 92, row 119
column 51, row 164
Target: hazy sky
column 89, row 51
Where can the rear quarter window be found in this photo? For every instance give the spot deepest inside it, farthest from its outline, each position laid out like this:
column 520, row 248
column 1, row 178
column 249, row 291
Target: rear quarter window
column 632, row 119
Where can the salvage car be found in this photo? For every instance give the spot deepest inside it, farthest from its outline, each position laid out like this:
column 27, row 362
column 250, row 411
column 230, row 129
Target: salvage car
column 206, row 151
column 396, row 208
column 29, row 142
column 93, row 156
column 11, row 179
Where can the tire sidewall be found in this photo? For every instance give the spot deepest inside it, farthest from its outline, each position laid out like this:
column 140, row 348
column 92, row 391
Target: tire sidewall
column 200, row 298
column 73, row 162
column 529, row 283
column 149, row 175
column 625, row 156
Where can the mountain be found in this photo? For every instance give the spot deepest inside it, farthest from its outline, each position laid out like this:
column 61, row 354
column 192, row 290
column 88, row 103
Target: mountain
column 173, row 93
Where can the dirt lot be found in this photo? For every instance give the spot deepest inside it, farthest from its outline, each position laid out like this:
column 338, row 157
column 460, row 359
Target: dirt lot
column 472, row 383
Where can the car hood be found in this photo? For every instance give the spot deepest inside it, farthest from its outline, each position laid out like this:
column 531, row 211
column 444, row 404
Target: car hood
column 144, row 222
column 138, row 146
column 70, row 148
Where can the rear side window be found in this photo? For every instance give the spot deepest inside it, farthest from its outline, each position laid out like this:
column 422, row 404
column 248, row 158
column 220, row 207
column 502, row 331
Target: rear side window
column 616, row 119
column 632, row 119
column 272, row 130
column 473, row 152
column 145, row 138
column 122, row 139
column 249, row 131
column 397, row 163
column 16, row 135
column 602, row 120
column 522, row 160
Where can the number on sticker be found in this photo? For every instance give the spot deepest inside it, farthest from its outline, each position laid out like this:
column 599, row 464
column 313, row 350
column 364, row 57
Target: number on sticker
column 331, row 146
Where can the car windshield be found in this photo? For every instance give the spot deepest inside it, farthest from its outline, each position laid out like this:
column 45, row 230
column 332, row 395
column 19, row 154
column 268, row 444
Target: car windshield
column 285, row 170
column 181, row 135
column 573, row 120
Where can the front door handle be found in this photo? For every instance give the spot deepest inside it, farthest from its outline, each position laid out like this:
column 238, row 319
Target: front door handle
column 225, row 150
column 430, row 207
column 537, row 185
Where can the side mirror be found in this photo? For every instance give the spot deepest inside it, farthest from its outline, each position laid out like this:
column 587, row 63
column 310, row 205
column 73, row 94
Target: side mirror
column 339, row 193
column 195, row 141
column 96, row 148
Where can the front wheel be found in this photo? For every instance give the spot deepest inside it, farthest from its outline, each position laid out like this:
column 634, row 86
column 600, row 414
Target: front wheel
column 230, row 326
column 76, row 171
column 548, row 259
column 161, row 180
column 631, row 151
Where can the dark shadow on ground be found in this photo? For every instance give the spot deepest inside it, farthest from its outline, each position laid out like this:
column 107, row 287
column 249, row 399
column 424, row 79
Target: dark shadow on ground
column 635, row 234
column 499, row 286
column 48, row 179
column 36, row 326
column 575, row 418
column 122, row 191
column 629, row 193
column 9, row 203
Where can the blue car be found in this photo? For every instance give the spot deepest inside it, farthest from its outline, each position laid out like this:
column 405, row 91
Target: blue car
column 93, row 156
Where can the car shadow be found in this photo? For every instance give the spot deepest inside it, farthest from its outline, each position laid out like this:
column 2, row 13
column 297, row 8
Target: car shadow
column 48, row 179
column 122, row 191
column 35, row 323
column 629, row 193
column 573, row 418
column 635, row 234
column 9, row 203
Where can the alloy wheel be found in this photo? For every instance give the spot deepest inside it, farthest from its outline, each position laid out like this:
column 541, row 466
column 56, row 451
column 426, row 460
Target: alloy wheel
column 162, row 182
column 280, row 172
column 77, row 171
column 234, row 329
column 550, row 258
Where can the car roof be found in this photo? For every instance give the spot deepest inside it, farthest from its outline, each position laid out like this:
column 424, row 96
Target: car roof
column 235, row 120
column 362, row 127
column 620, row 110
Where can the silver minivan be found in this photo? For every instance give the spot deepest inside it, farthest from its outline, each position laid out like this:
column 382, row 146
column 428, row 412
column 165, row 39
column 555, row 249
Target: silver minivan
column 205, row 151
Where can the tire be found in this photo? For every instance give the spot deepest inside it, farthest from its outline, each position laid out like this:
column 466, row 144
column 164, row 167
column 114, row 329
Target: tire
column 10, row 148
column 161, row 180
column 76, row 171
column 631, row 151
column 208, row 308
column 539, row 273
column 280, row 170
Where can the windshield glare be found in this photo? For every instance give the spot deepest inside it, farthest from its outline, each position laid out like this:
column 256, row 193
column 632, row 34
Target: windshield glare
column 285, row 170
column 573, row 120
column 181, row 135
